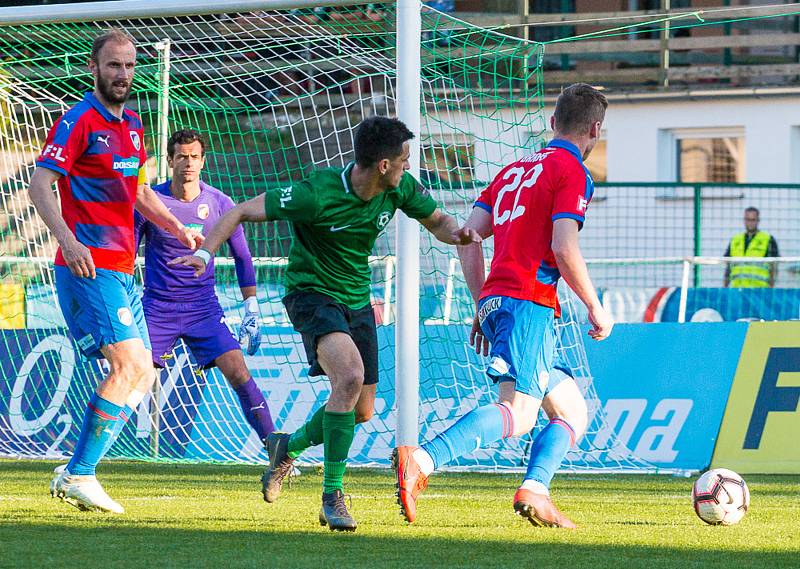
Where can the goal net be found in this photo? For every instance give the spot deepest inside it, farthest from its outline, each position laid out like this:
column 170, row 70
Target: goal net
column 276, row 93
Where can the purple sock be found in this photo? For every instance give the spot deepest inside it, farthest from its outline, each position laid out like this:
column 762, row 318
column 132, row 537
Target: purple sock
column 255, row 408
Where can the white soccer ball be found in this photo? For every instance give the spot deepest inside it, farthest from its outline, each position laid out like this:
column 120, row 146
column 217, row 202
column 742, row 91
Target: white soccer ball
column 720, row 497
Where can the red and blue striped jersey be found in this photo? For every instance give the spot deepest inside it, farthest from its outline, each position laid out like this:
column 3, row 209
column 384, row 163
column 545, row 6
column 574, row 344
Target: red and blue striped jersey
column 101, row 160
column 525, row 198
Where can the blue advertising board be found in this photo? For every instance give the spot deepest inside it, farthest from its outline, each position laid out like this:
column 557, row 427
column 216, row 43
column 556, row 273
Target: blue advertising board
column 735, row 303
column 662, row 389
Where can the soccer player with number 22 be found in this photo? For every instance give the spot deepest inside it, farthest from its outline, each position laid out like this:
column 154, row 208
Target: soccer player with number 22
column 534, row 208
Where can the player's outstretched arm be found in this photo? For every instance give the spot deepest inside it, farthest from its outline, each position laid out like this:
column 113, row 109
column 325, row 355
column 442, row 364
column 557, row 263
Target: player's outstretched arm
column 471, row 254
column 249, row 211
column 76, row 255
column 573, row 268
column 473, row 267
column 154, row 210
column 250, row 328
column 445, row 228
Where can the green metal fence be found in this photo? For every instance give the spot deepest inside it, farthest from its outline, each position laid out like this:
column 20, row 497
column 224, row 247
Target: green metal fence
column 635, row 220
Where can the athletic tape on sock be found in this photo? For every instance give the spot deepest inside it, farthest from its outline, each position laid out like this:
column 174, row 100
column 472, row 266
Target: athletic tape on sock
column 508, row 419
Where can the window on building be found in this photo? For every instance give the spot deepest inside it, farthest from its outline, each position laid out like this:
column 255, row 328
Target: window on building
column 713, row 157
column 449, row 161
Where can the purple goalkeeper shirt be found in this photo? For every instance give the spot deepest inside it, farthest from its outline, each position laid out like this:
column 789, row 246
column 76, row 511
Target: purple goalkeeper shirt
column 178, row 283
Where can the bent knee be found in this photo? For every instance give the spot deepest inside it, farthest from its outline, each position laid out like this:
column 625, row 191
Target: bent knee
column 350, row 381
column 578, row 417
column 362, row 416
column 575, row 419
column 133, row 371
column 523, row 425
column 238, row 377
column 579, row 425
column 522, row 418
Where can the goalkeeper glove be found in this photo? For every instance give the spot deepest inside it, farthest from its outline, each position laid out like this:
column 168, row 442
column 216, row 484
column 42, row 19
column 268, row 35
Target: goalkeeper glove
column 250, row 328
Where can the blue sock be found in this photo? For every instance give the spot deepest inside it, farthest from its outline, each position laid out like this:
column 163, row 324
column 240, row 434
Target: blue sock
column 124, row 416
column 99, row 427
column 549, row 450
column 479, row 427
column 255, row 408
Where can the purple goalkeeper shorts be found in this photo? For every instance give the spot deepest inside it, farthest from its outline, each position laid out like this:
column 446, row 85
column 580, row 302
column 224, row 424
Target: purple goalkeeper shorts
column 202, row 327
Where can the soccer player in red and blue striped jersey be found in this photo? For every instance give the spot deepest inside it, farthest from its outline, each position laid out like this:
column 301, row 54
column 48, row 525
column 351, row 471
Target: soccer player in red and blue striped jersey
column 534, row 208
column 95, row 154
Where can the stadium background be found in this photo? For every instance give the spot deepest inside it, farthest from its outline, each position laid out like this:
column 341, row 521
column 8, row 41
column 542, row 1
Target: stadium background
column 702, row 124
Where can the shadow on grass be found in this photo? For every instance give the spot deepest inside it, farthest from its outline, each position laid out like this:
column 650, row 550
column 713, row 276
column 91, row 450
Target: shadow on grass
column 31, row 537
column 55, row 545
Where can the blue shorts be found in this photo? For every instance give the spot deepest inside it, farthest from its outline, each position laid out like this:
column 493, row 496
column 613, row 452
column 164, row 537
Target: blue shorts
column 100, row 311
column 202, row 327
column 523, row 344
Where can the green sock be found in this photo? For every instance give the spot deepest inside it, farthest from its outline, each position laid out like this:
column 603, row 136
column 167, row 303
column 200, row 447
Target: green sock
column 308, row 435
column 338, row 430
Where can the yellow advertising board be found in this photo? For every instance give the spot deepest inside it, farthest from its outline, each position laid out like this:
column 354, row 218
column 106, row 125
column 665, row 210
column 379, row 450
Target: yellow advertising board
column 12, row 306
column 761, row 426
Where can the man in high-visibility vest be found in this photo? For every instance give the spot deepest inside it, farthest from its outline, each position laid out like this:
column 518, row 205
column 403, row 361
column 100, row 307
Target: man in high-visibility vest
column 751, row 243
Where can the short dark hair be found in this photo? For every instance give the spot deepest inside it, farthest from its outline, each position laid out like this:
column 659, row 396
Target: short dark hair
column 753, row 209
column 378, row 138
column 578, row 107
column 116, row 35
column 185, row 136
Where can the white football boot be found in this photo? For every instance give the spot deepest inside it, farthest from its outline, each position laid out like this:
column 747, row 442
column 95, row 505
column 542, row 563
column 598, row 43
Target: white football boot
column 83, row 492
column 57, row 472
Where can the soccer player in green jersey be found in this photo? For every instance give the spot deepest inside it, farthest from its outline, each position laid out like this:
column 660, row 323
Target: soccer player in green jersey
column 336, row 216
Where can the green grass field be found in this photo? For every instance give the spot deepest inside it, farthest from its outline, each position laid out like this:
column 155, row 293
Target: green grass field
column 213, row 516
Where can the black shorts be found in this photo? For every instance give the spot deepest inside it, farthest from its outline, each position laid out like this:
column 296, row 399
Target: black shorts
column 314, row 315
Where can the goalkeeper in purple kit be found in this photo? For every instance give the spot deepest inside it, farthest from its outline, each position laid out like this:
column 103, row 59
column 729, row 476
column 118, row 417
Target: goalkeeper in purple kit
column 178, row 305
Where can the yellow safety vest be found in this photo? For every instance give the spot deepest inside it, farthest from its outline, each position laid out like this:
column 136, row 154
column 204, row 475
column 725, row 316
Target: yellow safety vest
column 750, row 275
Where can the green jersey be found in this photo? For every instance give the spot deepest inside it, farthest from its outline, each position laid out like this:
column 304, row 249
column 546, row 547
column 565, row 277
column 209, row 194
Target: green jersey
column 335, row 230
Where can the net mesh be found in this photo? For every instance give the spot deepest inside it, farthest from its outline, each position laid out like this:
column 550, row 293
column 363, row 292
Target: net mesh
column 276, row 94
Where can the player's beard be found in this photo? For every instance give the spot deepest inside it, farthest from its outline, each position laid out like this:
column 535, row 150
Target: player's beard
column 106, row 89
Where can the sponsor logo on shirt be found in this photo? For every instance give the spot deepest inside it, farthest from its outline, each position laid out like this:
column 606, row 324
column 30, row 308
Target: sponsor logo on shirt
column 67, row 124
column 383, row 219
column 126, row 166
column 54, row 152
column 334, row 228
column 202, row 211
column 104, row 139
column 582, row 203
column 137, row 143
column 86, row 343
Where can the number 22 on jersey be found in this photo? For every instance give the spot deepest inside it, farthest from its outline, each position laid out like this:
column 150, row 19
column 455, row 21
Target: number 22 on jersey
column 517, row 182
